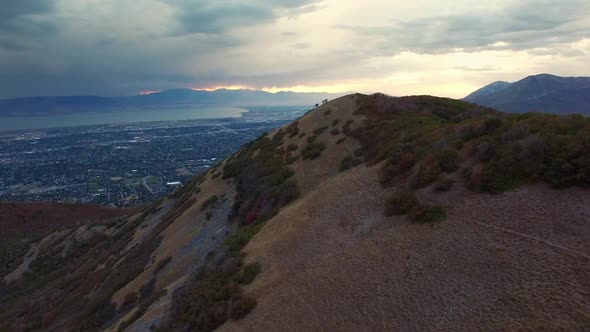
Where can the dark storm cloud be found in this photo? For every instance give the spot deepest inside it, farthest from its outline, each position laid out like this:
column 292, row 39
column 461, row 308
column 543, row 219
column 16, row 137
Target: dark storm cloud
column 529, row 24
column 11, row 45
column 107, row 48
column 23, row 21
column 219, row 16
column 18, row 16
column 218, row 19
column 12, row 9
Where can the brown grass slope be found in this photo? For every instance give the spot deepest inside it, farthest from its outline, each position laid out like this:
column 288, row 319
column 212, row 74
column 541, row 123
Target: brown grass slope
column 504, row 262
column 304, row 229
column 517, row 260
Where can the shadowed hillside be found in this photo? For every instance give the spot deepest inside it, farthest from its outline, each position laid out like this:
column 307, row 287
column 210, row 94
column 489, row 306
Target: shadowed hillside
column 34, row 218
column 539, row 93
column 368, row 213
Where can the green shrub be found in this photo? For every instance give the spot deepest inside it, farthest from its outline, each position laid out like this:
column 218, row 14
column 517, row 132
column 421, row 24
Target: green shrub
column 204, row 304
column 428, row 215
column 448, row 160
column 240, row 307
column 349, row 162
column 262, row 171
column 279, row 136
column 400, row 203
column 291, row 147
column 293, row 129
column 428, row 171
column 313, row 150
column 239, row 239
column 209, row 202
column 320, row 130
column 335, row 122
column 335, row 131
column 491, row 124
column 346, row 128
column 291, row 158
column 443, row 183
column 248, row 273
column 341, row 140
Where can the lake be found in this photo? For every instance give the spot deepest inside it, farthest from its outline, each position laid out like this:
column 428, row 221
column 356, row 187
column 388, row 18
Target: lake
column 117, row 117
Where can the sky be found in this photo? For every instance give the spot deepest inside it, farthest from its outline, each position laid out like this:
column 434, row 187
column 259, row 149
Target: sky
column 445, row 48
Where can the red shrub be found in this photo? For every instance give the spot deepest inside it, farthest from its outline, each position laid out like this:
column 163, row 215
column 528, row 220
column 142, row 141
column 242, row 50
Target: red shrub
column 48, row 319
column 251, row 217
column 129, row 299
column 406, row 162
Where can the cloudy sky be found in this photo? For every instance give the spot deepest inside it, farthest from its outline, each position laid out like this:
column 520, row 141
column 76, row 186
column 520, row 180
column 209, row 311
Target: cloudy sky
column 447, row 48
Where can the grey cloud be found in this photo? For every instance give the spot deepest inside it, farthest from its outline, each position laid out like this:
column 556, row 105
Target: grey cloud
column 43, row 53
column 527, row 25
column 219, row 16
column 11, row 45
column 22, row 19
column 218, row 19
column 12, row 9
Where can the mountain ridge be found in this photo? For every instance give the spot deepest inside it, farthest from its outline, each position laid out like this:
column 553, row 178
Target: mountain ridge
column 538, row 93
column 488, row 89
column 173, row 98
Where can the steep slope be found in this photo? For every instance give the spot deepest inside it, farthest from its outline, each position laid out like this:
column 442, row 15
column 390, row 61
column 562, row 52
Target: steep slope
column 505, row 262
column 369, row 212
column 35, row 218
column 540, row 93
column 334, row 261
column 487, row 90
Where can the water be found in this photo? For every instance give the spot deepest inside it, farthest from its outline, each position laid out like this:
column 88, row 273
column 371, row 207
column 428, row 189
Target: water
column 119, row 116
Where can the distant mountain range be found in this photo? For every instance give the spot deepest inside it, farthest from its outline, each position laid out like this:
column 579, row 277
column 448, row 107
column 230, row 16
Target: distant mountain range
column 539, row 93
column 169, row 98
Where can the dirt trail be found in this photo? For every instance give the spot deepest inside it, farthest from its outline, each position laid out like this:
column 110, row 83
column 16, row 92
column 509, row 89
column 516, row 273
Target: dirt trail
column 534, row 238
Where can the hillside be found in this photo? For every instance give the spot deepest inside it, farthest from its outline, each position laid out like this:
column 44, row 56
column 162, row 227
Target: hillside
column 539, row 93
column 368, row 213
column 35, row 218
column 487, row 90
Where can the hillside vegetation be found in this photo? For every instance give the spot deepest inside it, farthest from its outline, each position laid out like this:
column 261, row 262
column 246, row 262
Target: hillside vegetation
column 420, row 140
column 369, row 212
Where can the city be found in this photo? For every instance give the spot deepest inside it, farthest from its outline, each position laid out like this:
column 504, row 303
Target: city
column 123, row 165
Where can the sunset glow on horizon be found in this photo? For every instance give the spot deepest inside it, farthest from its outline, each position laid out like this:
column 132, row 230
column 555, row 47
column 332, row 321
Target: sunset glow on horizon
column 147, row 92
